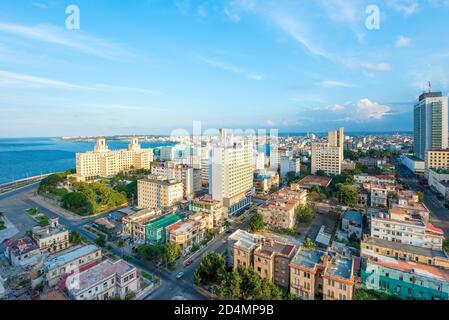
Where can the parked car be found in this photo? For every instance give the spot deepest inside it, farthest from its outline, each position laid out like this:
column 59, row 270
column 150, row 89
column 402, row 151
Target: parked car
column 179, row 275
column 188, row 262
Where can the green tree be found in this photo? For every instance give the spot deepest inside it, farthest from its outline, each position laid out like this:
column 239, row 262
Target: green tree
column 347, row 194
column 309, row 244
column 304, row 214
column 420, row 196
column 256, row 223
column 100, row 241
column 172, row 252
column 75, row 238
column 211, row 268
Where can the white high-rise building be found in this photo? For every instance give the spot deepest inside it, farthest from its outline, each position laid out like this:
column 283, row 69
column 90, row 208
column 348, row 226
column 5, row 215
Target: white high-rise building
column 290, row 164
column 231, row 176
column 102, row 162
column 430, row 123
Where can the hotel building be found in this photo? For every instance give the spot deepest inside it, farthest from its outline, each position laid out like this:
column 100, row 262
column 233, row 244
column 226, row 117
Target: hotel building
column 430, row 123
column 102, row 162
column 231, row 176
column 156, row 192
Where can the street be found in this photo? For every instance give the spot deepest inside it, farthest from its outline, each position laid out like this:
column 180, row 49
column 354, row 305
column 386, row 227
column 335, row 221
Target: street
column 439, row 214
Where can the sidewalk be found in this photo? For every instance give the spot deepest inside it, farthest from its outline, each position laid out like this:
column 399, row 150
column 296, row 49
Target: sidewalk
column 56, row 209
column 9, row 232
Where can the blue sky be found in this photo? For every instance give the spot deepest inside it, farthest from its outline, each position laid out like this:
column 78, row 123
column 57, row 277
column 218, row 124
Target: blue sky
column 152, row 66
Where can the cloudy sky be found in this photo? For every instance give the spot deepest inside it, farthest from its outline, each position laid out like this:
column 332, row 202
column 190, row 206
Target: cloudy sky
column 152, row 66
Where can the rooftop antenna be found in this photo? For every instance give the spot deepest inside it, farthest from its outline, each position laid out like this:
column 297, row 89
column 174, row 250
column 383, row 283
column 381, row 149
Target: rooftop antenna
column 430, row 87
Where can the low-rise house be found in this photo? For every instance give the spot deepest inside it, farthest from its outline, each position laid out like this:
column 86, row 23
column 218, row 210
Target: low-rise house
column 69, row 261
column 23, row 252
column 379, row 193
column 374, row 247
column 186, row 234
column 134, row 224
column 408, row 280
column 371, row 162
column 155, row 230
column 104, row 281
column 315, row 181
column 352, row 223
column 52, row 238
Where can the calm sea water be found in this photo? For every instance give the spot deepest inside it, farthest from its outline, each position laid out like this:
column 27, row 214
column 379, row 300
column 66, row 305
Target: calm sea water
column 27, row 157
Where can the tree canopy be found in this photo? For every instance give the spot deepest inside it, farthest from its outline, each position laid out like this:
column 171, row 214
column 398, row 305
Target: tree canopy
column 256, row 223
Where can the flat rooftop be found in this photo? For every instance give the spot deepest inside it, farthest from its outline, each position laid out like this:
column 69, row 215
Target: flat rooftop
column 245, row 239
column 353, row 215
column 312, row 181
column 426, row 252
column 99, row 273
column 165, row 221
column 70, row 255
column 308, row 258
column 340, row 267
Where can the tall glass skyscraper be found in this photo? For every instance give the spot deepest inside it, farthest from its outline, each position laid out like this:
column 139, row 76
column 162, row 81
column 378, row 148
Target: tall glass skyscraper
column 430, row 123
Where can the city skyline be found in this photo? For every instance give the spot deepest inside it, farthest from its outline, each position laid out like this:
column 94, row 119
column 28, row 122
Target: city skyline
column 291, row 66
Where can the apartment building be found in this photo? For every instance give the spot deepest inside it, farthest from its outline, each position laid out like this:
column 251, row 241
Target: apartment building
column 379, row 193
column 398, row 226
column 430, row 123
column 374, row 247
column 102, row 162
column 271, row 261
column 156, row 192
column 70, row 261
column 436, row 159
column 279, row 210
column 186, row 234
column 338, row 278
column 408, row 280
column 290, row 165
column 374, row 179
column 52, row 238
column 269, row 258
column 314, row 274
column 326, row 158
column 231, row 176
column 171, row 170
column 213, row 208
column 306, row 282
column 104, row 281
column 134, row 224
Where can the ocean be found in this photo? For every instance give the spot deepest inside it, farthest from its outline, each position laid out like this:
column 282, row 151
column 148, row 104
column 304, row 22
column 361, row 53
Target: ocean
column 26, row 157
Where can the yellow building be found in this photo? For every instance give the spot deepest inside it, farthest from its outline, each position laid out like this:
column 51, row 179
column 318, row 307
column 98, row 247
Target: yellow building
column 102, row 162
column 373, row 247
column 186, row 234
column 436, row 159
column 52, row 238
column 155, row 192
column 316, row 275
column 212, row 207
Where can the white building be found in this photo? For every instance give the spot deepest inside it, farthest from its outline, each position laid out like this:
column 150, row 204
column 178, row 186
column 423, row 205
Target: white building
column 290, row 164
column 102, row 162
column 104, row 281
column 231, row 176
column 179, row 172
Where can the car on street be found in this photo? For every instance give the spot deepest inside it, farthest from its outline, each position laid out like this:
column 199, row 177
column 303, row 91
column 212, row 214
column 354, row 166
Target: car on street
column 188, row 262
column 179, row 275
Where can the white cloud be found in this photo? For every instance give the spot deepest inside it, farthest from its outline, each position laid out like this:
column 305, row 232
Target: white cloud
column 270, row 123
column 402, row 42
column 79, row 41
column 377, row 67
column 39, row 5
column 406, row 7
column 21, row 81
column 335, row 83
column 231, row 68
column 368, row 110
